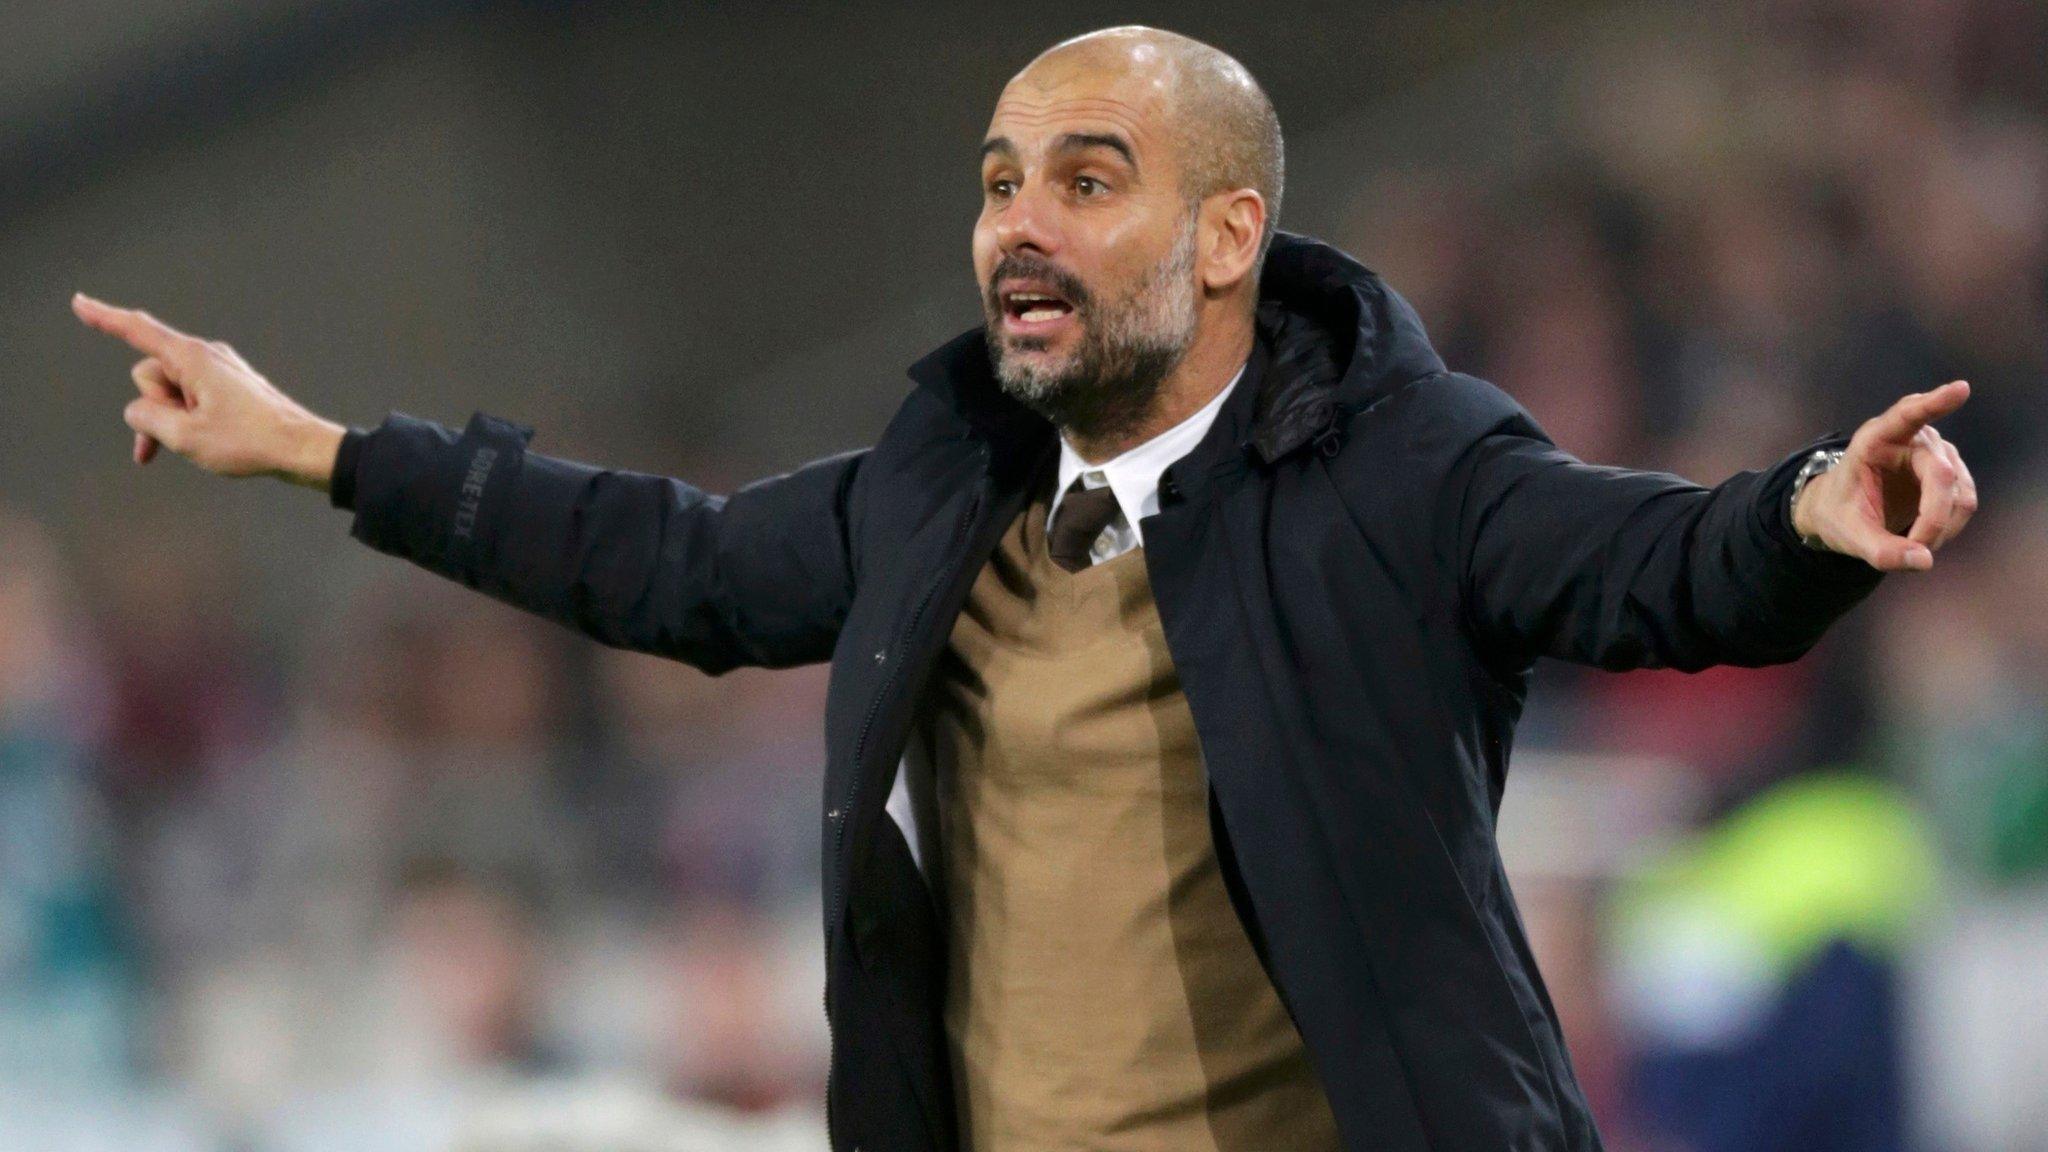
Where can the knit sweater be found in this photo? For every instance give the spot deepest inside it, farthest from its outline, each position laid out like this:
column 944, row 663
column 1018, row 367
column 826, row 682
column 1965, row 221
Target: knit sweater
column 1101, row 993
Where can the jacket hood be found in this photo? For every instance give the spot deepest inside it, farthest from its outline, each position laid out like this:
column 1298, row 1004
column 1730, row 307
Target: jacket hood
column 1339, row 338
column 1336, row 336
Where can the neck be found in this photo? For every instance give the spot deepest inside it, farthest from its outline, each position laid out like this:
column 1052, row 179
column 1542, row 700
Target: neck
column 1219, row 350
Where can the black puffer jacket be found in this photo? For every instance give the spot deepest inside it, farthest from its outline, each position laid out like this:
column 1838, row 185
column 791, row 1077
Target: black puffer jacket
column 1355, row 569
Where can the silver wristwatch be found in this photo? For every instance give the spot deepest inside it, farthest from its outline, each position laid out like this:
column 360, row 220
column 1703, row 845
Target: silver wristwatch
column 1821, row 460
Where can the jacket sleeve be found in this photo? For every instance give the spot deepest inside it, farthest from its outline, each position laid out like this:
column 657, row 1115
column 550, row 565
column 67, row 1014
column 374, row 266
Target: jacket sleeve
column 1627, row 569
column 647, row 563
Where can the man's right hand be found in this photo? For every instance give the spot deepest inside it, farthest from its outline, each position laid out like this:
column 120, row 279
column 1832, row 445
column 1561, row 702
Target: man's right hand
column 201, row 400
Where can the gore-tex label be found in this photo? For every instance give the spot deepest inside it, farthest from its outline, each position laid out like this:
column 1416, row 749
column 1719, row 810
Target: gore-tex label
column 472, row 493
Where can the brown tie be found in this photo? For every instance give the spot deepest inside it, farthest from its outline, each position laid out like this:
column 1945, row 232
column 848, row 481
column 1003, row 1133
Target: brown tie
column 1084, row 513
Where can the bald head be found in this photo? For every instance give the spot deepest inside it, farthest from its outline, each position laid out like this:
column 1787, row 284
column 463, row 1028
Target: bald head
column 1222, row 123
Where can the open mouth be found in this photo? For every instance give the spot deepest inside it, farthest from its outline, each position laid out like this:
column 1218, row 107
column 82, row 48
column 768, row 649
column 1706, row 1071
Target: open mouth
column 1034, row 308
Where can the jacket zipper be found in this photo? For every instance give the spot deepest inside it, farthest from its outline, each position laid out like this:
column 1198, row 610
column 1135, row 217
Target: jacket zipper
column 852, row 804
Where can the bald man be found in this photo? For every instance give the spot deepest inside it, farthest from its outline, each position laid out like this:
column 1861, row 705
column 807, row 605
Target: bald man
column 1179, row 623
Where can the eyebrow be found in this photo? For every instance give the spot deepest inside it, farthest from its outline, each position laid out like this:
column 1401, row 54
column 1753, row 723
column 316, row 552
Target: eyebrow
column 1071, row 142
column 1079, row 141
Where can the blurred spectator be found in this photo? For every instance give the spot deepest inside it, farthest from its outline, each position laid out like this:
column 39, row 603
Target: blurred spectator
column 1759, row 972
column 715, row 780
column 468, row 950
column 67, row 968
column 734, row 1043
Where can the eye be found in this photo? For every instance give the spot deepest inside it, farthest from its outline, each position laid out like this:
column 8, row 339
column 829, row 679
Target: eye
column 1001, row 189
column 1087, row 186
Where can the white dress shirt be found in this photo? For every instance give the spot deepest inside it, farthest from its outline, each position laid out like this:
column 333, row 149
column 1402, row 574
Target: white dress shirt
column 1134, row 475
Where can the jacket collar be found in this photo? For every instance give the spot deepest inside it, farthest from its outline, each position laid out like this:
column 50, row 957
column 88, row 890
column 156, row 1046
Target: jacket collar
column 1331, row 333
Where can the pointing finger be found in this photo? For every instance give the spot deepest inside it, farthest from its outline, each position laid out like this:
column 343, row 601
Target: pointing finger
column 1897, row 425
column 140, row 330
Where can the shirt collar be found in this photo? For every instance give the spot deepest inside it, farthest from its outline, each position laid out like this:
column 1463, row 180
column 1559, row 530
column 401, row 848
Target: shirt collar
column 1133, row 475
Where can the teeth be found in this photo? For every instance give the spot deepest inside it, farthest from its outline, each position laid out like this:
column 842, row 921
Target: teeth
column 1036, row 314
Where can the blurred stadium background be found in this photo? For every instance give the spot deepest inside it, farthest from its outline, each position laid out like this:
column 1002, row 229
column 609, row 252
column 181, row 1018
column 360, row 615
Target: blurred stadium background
column 302, row 849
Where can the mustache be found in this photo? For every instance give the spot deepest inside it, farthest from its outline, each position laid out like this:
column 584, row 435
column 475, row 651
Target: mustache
column 1036, row 268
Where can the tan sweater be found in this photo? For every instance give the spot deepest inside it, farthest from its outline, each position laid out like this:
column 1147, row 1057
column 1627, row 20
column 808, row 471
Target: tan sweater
column 1102, row 995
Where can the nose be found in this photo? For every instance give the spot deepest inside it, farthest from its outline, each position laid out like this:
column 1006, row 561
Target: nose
column 1027, row 223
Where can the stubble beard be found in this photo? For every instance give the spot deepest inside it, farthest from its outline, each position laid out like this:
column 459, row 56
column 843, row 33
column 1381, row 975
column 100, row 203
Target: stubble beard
column 1107, row 386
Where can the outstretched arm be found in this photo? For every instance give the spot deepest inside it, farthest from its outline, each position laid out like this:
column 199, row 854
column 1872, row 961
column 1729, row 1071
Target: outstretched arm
column 1627, row 569
column 636, row 561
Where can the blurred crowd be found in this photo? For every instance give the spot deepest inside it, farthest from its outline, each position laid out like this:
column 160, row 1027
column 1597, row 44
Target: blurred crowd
column 347, row 889
column 1754, row 225
column 450, row 848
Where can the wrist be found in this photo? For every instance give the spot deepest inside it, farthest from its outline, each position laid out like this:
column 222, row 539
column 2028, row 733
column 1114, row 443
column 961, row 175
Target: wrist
column 1811, row 475
column 312, row 446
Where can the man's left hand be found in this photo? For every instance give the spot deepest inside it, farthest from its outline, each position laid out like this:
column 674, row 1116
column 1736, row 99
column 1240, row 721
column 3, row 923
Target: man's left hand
column 1900, row 491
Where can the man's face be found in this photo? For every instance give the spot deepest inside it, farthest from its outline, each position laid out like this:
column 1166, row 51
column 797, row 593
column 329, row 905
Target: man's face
column 1085, row 247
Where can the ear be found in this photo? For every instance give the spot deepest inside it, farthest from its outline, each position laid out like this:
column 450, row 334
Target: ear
column 1230, row 226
